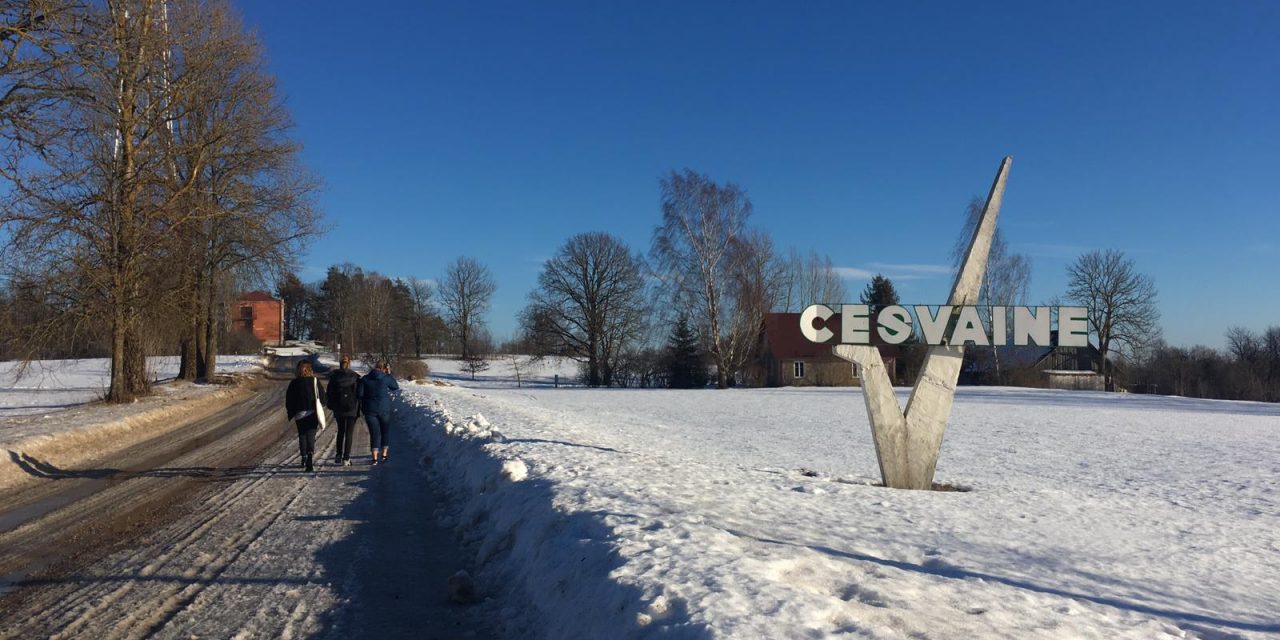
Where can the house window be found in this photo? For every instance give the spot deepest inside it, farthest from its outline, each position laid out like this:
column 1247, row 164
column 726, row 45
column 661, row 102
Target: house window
column 797, row 369
column 246, row 313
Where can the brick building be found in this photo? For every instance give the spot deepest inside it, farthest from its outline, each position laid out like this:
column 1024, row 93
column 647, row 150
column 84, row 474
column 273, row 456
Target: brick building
column 262, row 315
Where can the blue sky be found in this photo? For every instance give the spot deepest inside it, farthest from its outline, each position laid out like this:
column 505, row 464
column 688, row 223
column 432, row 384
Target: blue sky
column 860, row 130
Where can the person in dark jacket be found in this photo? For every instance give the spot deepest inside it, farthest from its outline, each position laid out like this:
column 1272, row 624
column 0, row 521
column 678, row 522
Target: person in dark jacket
column 375, row 402
column 344, row 400
column 304, row 402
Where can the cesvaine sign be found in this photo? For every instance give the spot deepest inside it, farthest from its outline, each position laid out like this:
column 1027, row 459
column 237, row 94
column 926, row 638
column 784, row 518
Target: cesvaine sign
column 952, row 325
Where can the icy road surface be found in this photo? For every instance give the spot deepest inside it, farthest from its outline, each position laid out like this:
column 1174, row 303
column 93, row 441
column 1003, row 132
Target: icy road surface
column 227, row 538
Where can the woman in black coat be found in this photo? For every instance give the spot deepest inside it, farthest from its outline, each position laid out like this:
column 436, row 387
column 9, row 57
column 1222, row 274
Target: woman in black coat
column 343, row 398
column 305, row 401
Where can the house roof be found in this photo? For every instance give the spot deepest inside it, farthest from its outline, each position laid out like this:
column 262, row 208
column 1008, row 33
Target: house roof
column 1088, row 351
column 256, row 296
column 783, row 339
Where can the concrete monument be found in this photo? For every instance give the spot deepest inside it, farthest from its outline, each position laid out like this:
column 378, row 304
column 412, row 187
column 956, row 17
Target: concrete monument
column 907, row 442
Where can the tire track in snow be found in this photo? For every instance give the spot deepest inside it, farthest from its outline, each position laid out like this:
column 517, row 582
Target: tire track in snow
column 253, row 528
column 63, row 605
column 166, row 596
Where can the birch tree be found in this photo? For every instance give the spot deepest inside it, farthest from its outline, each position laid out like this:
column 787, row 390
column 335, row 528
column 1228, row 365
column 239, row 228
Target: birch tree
column 1007, row 278
column 693, row 252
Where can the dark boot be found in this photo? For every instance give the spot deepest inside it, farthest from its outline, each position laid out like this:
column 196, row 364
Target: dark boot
column 308, row 461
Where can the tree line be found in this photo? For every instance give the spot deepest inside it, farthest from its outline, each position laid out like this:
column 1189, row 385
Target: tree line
column 597, row 301
column 149, row 173
column 370, row 315
column 709, row 278
column 1247, row 369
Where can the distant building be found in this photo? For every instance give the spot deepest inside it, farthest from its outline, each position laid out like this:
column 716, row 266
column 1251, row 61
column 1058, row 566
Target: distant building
column 1075, row 368
column 1073, row 380
column 789, row 359
column 1051, row 367
column 260, row 314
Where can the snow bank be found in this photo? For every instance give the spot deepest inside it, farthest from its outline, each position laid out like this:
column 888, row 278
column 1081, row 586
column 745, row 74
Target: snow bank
column 48, row 412
column 554, row 563
column 752, row 513
column 79, row 436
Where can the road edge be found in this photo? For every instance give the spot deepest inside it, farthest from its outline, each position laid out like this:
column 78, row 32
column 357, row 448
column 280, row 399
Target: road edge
column 99, row 440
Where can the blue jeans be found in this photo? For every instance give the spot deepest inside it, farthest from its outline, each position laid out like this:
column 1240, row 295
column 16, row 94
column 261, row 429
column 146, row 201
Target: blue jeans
column 379, row 425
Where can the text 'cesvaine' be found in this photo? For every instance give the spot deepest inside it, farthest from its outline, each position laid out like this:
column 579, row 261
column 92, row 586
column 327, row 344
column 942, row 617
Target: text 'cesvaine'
column 950, row 324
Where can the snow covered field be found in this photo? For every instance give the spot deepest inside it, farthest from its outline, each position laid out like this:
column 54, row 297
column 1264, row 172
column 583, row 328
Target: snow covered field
column 502, row 371
column 752, row 514
column 52, row 385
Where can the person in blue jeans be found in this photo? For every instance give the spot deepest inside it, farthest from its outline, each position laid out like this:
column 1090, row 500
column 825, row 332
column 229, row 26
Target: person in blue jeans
column 375, row 403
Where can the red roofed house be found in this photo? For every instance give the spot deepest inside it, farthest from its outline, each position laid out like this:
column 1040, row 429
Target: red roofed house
column 261, row 314
column 790, row 359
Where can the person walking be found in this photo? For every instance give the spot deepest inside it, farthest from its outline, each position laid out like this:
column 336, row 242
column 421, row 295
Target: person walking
column 344, row 400
column 375, row 402
column 304, row 402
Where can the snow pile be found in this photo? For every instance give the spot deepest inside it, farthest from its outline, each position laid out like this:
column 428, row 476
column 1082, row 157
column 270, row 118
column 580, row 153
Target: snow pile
column 753, row 513
column 47, row 415
column 556, row 563
column 78, row 436
column 515, row 470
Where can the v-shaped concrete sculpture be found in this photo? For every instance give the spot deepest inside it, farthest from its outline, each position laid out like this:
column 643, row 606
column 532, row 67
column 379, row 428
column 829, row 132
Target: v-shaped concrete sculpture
column 908, row 442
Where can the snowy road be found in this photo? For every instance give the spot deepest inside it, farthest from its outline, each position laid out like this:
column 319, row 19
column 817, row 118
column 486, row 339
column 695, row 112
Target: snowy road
column 214, row 532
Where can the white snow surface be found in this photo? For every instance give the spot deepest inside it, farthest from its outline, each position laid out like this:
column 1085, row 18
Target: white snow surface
column 753, row 514
column 45, row 386
column 502, row 371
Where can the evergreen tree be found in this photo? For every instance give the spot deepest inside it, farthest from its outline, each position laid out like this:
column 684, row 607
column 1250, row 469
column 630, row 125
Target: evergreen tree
column 686, row 365
column 879, row 294
column 297, row 306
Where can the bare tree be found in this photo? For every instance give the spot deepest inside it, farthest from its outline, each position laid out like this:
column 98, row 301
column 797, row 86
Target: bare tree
column 1245, row 345
column 465, row 293
column 1121, row 302
column 422, row 309
column 1007, row 278
column 88, row 201
column 809, row 280
column 756, row 286
column 133, row 126
column 589, row 304
column 1253, row 373
column 251, row 213
column 693, row 253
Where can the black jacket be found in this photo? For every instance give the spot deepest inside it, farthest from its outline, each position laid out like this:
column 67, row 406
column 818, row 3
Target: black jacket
column 301, row 396
column 344, row 393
